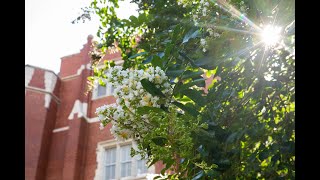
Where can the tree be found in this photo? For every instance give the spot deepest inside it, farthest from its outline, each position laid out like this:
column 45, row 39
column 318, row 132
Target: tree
column 243, row 126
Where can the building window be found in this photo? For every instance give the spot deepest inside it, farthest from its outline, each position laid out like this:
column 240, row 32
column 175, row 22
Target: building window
column 102, row 91
column 125, row 161
column 141, row 165
column 118, row 164
column 110, row 163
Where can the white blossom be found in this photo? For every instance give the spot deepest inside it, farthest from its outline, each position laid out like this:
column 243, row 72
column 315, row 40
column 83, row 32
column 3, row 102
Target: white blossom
column 130, row 95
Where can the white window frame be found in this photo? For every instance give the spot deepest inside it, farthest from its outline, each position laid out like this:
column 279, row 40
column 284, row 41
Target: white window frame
column 108, row 86
column 100, row 171
column 95, row 91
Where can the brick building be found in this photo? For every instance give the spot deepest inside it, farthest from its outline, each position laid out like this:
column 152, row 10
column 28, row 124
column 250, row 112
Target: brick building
column 62, row 136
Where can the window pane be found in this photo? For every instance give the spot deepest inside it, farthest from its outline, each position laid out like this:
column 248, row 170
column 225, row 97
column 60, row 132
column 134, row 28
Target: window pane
column 141, row 165
column 125, row 153
column 125, row 161
column 110, row 163
column 111, row 156
column 125, row 169
column 110, row 172
column 101, row 91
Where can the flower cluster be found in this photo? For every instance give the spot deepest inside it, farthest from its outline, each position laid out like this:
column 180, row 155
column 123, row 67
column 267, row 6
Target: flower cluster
column 201, row 11
column 130, row 95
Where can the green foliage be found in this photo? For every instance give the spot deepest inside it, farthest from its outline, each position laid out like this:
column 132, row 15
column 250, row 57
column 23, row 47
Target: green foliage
column 243, row 128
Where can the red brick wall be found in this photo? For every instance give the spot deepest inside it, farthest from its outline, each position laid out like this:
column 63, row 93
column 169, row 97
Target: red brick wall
column 94, row 135
column 74, row 149
column 68, row 154
column 37, row 79
column 69, row 92
column 34, row 124
column 56, row 156
column 39, row 123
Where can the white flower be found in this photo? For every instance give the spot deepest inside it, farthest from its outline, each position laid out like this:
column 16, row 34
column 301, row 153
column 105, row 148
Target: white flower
column 101, row 117
column 204, row 50
column 204, row 12
column 130, row 93
column 166, row 85
column 127, row 103
column 203, row 42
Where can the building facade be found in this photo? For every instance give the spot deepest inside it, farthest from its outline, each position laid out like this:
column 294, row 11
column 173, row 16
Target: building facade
column 63, row 140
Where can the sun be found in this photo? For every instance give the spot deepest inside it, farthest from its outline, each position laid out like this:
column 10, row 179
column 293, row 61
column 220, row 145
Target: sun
column 271, row 35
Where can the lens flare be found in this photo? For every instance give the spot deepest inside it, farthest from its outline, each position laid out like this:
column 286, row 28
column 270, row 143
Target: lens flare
column 271, row 35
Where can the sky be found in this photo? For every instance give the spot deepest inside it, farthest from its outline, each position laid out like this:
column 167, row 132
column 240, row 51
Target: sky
column 50, row 35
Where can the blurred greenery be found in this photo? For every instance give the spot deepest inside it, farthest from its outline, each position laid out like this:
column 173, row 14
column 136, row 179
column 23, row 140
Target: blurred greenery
column 249, row 108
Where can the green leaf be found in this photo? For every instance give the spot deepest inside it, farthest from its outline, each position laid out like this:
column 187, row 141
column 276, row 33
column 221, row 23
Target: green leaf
column 188, row 59
column 148, row 60
column 193, row 33
column 156, row 61
column 176, row 32
column 195, row 95
column 174, row 72
column 187, row 109
column 198, row 82
column 198, row 175
column 263, row 155
column 206, row 62
column 232, row 137
column 142, row 18
column 146, row 109
column 275, row 158
column 151, row 88
column 209, row 73
column 134, row 20
column 136, row 55
column 160, row 141
column 168, row 49
column 157, row 177
column 192, row 74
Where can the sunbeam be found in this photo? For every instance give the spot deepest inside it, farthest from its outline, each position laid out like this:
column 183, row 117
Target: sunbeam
column 233, row 29
column 236, row 13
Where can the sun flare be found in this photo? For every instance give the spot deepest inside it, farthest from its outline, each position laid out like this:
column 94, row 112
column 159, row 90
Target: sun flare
column 271, row 35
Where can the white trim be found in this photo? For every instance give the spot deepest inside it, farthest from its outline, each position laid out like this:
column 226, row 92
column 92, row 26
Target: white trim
column 69, row 77
column 112, row 143
column 93, row 120
column 79, row 71
column 50, row 83
column 79, row 108
column 60, row 129
column 35, row 89
column 28, row 76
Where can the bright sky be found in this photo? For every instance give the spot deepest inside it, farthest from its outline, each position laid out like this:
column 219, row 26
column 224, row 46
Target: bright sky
column 50, row 34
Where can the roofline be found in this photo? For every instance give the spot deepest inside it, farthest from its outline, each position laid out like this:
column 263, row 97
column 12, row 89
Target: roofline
column 74, row 54
column 42, row 69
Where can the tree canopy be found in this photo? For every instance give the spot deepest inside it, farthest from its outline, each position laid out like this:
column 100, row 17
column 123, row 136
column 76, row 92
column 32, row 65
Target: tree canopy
column 241, row 124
